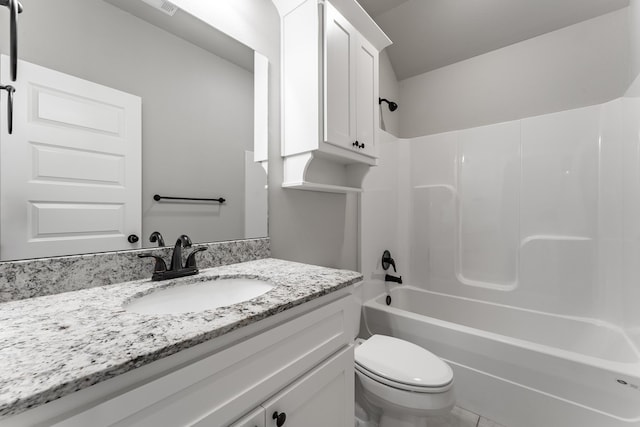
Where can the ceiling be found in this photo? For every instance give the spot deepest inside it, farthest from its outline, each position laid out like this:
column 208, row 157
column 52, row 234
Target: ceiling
column 429, row 34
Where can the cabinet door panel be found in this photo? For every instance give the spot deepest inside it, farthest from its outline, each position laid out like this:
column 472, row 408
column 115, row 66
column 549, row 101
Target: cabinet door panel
column 339, row 87
column 254, row 419
column 323, row 397
column 367, row 97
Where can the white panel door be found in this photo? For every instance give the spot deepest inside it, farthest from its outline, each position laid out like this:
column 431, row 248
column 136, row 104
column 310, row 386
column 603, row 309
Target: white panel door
column 324, row 397
column 70, row 175
column 340, row 88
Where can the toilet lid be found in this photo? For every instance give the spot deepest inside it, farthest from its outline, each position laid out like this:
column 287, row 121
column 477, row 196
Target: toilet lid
column 402, row 362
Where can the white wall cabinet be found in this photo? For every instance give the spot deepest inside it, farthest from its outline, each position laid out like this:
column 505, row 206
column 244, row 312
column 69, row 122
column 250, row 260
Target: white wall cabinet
column 303, row 367
column 329, row 93
column 351, row 86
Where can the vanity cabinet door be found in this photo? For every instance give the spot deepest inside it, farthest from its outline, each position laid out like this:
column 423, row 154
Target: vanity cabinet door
column 323, row 397
column 255, row 418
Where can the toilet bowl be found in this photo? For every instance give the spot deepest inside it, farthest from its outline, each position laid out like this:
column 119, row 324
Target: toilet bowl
column 405, row 382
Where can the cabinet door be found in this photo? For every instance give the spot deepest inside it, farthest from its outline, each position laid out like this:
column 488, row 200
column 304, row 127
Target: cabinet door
column 367, row 112
column 323, row 397
column 255, row 418
column 339, row 82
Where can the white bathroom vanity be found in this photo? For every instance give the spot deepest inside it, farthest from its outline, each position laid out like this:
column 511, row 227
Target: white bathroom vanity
column 283, row 358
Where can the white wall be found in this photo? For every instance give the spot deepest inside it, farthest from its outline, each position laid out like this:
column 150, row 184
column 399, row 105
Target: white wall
column 389, row 89
column 584, row 64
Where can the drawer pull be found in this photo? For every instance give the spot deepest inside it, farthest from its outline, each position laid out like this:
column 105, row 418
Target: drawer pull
column 280, row 418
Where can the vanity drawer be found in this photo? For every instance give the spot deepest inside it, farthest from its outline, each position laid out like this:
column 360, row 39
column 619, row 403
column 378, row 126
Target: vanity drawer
column 228, row 383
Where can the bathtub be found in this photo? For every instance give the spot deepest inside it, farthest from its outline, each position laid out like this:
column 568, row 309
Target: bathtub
column 519, row 367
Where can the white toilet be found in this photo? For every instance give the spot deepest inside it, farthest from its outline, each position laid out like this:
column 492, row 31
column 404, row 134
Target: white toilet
column 405, row 382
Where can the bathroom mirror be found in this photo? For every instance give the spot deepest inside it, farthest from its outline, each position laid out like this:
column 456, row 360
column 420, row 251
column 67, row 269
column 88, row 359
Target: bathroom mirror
column 196, row 87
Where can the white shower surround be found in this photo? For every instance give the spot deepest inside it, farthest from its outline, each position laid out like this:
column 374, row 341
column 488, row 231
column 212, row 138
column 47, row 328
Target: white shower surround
column 541, row 213
column 535, row 223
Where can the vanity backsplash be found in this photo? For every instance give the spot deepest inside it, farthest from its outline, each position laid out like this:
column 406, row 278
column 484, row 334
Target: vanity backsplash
column 46, row 276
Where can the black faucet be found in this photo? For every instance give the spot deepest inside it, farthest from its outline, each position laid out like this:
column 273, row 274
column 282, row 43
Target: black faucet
column 386, row 262
column 176, row 258
column 176, row 269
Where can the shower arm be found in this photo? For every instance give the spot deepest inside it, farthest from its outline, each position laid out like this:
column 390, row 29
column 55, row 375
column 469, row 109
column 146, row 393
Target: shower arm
column 14, row 9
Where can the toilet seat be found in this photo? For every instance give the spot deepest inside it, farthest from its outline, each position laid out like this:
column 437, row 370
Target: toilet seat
column 401, row 386
column 402, row 365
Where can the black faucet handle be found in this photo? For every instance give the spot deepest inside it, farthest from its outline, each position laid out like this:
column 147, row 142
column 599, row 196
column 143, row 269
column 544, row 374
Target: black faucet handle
column 388, row 261
column 191, row 259
column 160, row 264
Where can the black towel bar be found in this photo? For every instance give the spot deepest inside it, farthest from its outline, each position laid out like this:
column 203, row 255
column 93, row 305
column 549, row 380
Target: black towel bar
column 157, row 198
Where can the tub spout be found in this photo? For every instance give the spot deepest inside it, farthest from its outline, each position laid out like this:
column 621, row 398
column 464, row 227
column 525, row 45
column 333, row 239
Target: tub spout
column 390, row 278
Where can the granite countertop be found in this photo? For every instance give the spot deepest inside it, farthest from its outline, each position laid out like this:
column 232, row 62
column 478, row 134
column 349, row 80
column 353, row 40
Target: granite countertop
column 54, row 345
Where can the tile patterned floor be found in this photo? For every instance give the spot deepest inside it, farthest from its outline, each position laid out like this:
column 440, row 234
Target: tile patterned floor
column 462, row 418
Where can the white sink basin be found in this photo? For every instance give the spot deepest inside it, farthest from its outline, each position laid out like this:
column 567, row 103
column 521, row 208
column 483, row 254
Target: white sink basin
column 199, row 296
